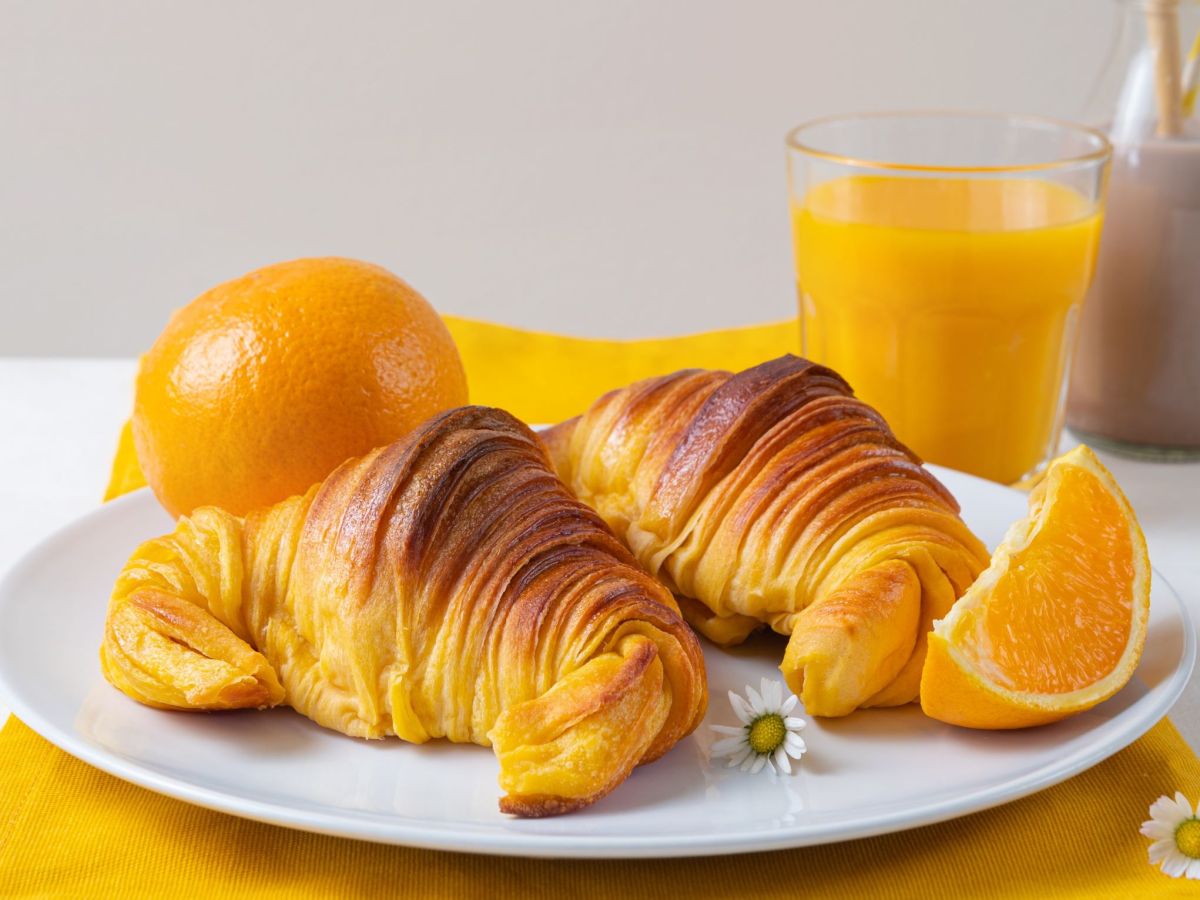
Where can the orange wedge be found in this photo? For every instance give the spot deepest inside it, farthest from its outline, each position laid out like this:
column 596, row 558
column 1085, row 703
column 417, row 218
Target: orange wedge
column 1057, row 622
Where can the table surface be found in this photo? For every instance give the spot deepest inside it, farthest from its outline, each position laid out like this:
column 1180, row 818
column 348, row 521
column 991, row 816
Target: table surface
column 60, row 419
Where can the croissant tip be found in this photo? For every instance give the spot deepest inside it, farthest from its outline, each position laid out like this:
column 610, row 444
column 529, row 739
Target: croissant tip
column 540, row 806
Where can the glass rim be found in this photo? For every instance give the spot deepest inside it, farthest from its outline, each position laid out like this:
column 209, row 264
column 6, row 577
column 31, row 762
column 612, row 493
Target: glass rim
column 1101, row 154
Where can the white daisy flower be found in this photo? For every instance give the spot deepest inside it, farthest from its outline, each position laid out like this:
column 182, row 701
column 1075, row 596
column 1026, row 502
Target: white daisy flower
column 767, row 735
column 1175, row 829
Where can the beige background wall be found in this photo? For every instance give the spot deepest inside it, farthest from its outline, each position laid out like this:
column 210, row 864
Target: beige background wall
column 609, row 167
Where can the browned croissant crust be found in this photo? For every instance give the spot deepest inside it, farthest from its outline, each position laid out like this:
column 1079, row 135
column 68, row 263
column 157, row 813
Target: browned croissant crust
column 775, row 497
column 448, row 586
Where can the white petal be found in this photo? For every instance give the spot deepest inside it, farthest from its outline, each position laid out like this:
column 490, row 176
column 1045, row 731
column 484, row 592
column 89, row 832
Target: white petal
column 739, row 741
column 1157, row 830
column 728, row 729
column 1193, row 869
column 793, row 723
column 756, row 701
column 739, row 758
column 749, row 761
column 1175, row 864
column 741, row 708
column 1164, row 810
column 1161, row 849
column 781, row 760
column 758, row 764
column 772, row 693
column 788, row 705
column 795, row 744
column 1181, row 803
column 728, row 746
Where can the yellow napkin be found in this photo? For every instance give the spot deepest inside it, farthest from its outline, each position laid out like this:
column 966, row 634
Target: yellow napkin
column 67, row 830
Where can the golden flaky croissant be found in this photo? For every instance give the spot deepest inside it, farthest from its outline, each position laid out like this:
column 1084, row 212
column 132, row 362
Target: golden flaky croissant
column 774, row 496
column 448, row 586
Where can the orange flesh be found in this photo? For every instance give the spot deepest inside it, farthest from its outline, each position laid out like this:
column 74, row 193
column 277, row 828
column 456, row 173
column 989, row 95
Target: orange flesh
column 1060, row 617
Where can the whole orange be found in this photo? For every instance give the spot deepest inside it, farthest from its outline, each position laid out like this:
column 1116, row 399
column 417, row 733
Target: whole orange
column 259, row 388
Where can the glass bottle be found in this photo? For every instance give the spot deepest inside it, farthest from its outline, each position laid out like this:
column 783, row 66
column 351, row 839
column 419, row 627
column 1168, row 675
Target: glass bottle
column 1135, row 381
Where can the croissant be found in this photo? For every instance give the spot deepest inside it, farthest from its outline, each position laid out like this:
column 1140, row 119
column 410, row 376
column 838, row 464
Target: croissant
column 774, row 497
column 445, row 586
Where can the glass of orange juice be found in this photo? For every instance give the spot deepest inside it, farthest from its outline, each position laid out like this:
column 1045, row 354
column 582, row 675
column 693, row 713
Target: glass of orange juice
column 941, row 261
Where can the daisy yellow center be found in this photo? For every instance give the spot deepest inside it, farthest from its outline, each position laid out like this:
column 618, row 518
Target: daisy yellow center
column 767, row 733
column 1187, row 838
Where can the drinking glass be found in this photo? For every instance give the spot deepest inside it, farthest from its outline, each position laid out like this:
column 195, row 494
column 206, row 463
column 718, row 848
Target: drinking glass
column 941, row 260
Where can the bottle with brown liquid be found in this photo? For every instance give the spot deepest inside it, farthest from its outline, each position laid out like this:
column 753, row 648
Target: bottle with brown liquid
column 1135, row 381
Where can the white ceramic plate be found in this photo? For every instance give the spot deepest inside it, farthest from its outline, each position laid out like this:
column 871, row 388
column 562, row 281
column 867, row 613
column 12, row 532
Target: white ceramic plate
column 876, row 771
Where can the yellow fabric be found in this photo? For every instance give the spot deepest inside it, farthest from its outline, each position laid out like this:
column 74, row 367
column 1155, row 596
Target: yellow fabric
column 67, row 830
column 126, row 473
column 545, row 378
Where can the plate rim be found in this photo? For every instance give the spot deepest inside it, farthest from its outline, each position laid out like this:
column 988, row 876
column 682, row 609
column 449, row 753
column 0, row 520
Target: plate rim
column 438, row 836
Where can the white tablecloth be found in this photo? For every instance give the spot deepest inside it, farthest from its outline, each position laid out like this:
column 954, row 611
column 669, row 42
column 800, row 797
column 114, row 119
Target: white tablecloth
column 60, row 418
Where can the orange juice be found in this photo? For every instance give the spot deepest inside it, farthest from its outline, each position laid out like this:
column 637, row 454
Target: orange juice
column 950, row 305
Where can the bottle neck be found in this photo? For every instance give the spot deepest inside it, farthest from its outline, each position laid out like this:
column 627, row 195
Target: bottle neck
column 1129, row 97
